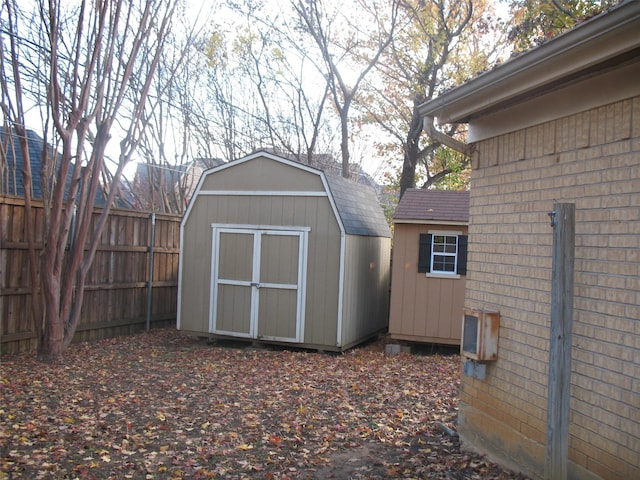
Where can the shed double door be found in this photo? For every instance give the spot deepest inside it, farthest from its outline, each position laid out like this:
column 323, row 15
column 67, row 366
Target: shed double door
column 258, row 283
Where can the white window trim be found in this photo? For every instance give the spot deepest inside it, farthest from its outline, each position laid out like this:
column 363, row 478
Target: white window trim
column 451, row 275
column 442, row 275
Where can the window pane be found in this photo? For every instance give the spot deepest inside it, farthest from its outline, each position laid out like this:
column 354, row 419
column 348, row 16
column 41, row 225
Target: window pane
column 444, row 263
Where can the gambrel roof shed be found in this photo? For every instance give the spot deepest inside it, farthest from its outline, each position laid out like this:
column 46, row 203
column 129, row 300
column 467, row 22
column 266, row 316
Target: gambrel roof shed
column 278, row 251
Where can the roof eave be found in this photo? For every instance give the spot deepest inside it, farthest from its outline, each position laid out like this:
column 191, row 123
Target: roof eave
column 430, row 221
column 578, row 50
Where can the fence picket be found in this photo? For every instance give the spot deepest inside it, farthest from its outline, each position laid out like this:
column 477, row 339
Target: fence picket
column 115, row 299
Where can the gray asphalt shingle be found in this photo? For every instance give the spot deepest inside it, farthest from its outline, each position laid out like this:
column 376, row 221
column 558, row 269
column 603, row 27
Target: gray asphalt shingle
column 358, row 207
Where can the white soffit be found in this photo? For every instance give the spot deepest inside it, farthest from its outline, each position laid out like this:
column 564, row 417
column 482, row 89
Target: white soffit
column 587, row 94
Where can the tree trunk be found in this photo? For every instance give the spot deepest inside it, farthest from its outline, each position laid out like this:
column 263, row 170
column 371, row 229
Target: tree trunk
column 51, row 341
column 408, row 174
column 344, row 145
column 104, row 66
column 411, row 152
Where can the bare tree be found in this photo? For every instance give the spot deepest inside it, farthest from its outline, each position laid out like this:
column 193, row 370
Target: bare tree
column 93, row 54
column 216, row 102
column 347, row 49
column 267, row 83
column 290, row 110
column 167, row 146
column 209, row 100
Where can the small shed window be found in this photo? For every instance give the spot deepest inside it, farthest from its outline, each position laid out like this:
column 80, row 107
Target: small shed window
column 443, row 253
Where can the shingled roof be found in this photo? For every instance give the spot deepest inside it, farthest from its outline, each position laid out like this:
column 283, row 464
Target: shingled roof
column 418, row 205
column 11, row 181
column 358, row 207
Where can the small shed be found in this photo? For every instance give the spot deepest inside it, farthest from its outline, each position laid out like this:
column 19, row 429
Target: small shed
column 429, row 266
column 277, row 251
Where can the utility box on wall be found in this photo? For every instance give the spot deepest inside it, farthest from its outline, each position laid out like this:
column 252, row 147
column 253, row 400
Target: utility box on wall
column 480, row 334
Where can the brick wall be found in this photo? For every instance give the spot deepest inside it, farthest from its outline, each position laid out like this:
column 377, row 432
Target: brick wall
column 593, row 160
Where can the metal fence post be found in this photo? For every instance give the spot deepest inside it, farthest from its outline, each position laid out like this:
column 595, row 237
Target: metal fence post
column 150, row 283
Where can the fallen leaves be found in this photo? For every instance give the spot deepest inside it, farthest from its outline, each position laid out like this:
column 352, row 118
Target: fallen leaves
column 185, row 409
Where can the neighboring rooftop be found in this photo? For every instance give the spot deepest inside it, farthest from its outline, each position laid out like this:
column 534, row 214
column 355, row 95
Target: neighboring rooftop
column 12, row 165
column 417, row 205
column 13, row 160
column 329, row 165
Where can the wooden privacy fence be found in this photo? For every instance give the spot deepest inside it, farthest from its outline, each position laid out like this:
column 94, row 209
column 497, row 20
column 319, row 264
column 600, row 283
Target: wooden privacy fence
column 119, row 297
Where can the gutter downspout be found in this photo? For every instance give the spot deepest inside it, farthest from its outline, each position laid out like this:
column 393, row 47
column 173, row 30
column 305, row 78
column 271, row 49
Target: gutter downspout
column 429, row 127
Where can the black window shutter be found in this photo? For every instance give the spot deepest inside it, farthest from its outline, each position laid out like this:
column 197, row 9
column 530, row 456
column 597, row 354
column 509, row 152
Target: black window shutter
column 424, row 253
column 463, row 241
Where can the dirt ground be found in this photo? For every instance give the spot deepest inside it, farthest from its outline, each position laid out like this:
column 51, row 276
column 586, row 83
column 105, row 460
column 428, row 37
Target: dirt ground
column 162, row 405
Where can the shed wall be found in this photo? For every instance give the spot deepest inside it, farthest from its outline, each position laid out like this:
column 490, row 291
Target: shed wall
column 242, row 208
column 263, row 174
column 323, row 255
column 366, row 287
column 423, row 309
column 591, row 159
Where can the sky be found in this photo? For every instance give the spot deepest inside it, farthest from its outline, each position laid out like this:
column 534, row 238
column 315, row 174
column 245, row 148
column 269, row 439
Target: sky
column 202, row 13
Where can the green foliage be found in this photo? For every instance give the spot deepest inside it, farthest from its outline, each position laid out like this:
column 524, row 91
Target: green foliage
column 458, row 166
column 535, row 22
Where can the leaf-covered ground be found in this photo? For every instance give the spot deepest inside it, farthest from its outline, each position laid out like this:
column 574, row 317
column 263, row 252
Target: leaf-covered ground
column 163, row 405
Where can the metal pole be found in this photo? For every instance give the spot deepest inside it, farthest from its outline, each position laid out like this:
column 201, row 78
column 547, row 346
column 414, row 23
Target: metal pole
column 562, row 271
column 150, row 283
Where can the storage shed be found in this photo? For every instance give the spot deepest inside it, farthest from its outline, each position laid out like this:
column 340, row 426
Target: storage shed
column 277, row 251
column 429, row 266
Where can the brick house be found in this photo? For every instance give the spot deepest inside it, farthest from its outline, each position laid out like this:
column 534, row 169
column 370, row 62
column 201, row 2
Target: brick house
column 429, row 266
column 560, row 122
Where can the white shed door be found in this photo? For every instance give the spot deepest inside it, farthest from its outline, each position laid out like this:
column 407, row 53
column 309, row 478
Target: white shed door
column 258, row 283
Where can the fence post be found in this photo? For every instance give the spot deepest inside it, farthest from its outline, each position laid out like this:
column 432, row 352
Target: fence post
column 562, row 271
column 150, row 283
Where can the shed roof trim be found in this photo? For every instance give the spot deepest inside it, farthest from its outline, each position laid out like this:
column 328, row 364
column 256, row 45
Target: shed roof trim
column 584, row 50
column 355, row 204
column 446, row 206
